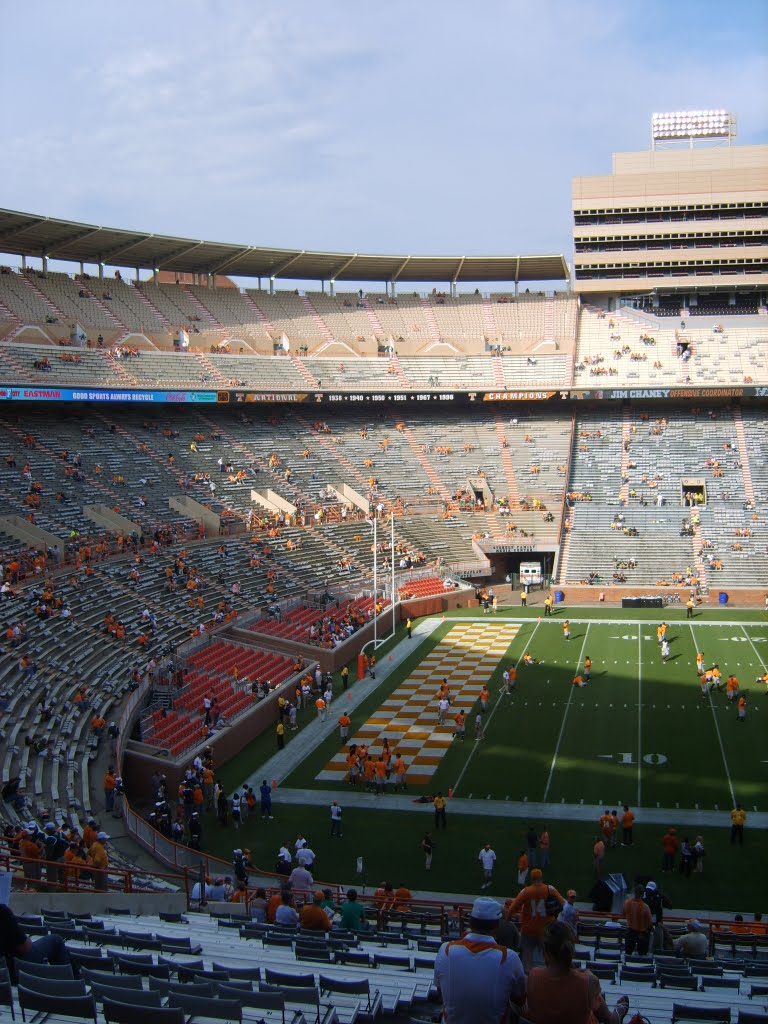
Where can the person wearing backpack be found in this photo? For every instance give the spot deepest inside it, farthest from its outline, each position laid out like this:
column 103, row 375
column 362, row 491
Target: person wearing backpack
column 537, row 904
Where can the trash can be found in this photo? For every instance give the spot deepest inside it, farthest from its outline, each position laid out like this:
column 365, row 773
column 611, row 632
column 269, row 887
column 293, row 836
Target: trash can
column 559, row 596
column 617, row 884
column 723, row 597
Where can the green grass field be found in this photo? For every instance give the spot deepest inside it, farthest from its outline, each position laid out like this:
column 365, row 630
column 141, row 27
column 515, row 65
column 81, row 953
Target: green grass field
column 640, row 733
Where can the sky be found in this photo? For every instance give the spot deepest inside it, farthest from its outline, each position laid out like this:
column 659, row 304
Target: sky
column 412, row 126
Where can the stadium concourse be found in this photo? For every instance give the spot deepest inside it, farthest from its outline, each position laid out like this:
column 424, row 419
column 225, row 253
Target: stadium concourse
column 180, row 571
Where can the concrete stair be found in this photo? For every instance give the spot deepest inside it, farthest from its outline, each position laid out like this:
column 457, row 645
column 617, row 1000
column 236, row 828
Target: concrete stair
column 261, row 316
column 153, row 308
column 311, row 382
column 429, row 316
column 206, row 314
column 490, row 326
column 746, row 472
column 378, row 330
column 513, row 491
column 30, row 283
column 549, row 318
column 322, row 326
column 115, row 320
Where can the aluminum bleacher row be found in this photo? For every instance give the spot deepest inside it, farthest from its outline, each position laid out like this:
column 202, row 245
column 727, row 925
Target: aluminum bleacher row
column 257, row 971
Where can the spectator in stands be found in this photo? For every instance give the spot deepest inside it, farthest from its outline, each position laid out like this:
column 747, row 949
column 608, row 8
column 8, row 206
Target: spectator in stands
column 15, row 943
column 99, row 861
column 313, row 916
column 639, row 920
column 286, row 914
column 475, row 977
column 353, row 913
column 528, row 904
column 558, row 992
column 694, row 943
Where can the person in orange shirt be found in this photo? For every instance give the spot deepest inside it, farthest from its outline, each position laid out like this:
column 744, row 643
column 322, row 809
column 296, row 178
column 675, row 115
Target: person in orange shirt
column 627, row 825
column 461, row 725
column 344, row 723
column 605, row 826
column 534, row 905
column 403, row 899
column 742, row 712
column 353, row 769
column 484, row 695
column 314, row 916
column 578, row 680
column 368, row 773
column 321, row 708
column 732, row 687
column 717, row 679
column 380, row 775
column 399, row 769
column 587, row 669
column 566, row 630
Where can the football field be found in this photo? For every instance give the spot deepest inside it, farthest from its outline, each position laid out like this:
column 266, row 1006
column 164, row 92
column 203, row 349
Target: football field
column 639, row 733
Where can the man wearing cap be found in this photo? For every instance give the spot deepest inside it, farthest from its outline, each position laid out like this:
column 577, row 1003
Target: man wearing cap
column 694, row 943
column 537, row 905
column 99, row 861
column 476, row 977
column 657, row 902
column 639, row 920
column 313, row 916
column 54, row 846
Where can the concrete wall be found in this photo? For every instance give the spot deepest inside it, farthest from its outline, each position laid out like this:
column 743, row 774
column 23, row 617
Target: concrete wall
column 102, row 515
column 200, row 513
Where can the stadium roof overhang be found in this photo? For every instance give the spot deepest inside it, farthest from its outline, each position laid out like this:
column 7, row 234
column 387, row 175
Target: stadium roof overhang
column 25, row 234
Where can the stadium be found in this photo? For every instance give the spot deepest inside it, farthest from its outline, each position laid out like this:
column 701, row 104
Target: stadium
column 369, row 554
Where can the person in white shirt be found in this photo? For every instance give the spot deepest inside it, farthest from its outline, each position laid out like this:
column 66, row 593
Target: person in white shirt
column 442, row 710
column 300, row 879
column 476, row 977
column 305, row 856
column 487, row 859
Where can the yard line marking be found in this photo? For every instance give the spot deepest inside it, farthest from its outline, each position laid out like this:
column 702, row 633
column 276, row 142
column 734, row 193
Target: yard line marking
column 760, row 660
column 717, row 730
column 493, row 711
column 562, row 724
column 639, row 720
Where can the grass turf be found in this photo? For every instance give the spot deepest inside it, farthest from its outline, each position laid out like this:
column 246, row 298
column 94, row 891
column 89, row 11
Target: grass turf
column 640, row 733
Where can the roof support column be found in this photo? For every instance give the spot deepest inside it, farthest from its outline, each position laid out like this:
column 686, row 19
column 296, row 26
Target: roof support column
column 44, row 259
column 101, row 271
column 82, row 268
column 138, row 273
column 155, row 276
column 212, row 281
column 23, row 262
column 271, row 286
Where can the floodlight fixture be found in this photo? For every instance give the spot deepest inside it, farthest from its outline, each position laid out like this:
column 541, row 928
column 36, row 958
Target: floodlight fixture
column 690, row 125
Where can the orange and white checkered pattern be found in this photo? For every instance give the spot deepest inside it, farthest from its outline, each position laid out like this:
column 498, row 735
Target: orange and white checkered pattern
column 467, row 657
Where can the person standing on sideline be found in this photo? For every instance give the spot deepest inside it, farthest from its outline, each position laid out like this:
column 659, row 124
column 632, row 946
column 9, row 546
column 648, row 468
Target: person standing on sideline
column 409, row 628
column 439, row 805
column 738, row 820
column 598, row 856
column 664, row 651
column 335, row 820
column 475, row 977
column 566, row 630
column 344, row 677
column 689, row 608
column 523, row 599
column 344, row 723
column 657, row 902
column 639, row 920
column 544, row 847
column 265, row 793
column 487, row 858
column 670, row 844
column 280, row 735
column 428, row 846
column 627, row 826
column 522, row 868
column 531, row 842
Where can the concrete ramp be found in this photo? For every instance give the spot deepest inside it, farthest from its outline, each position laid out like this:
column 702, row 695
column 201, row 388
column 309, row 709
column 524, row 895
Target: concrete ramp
column 29, row 534
column 201, row 514
column 103, row 516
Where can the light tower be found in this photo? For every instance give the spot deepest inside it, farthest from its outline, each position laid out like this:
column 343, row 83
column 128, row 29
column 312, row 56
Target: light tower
column 690, row 126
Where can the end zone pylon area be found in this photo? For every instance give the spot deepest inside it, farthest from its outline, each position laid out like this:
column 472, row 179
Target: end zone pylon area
column 467, row 657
